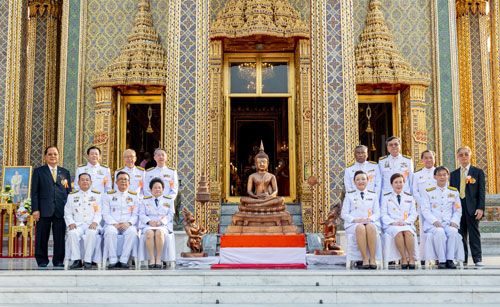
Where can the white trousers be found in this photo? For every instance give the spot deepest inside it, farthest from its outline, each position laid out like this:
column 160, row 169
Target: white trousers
column 110, row 241
column 74, row 237
column 444, row 242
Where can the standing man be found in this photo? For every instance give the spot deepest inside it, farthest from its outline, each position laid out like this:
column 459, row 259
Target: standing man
column 470, row 182
column 424, row 178
column 393, row 163
column 166, row 174
column 120, row 212
column 50, row 187
column 82, row 214
column 101, row 175
column 369, row 167
column 136, row 173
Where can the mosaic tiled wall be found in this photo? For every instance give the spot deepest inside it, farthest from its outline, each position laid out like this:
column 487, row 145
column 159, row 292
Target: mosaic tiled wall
column 302, row 6
column 446, row 90
column 36, row 153
column 410, row 23
column 187, row 91
column 4, row 28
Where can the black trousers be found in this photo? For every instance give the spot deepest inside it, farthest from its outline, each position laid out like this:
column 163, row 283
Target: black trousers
column 469, row 227
column 42, row 239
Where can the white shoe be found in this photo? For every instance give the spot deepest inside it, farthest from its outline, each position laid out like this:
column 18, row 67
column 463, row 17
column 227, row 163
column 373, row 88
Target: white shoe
column 479, row 264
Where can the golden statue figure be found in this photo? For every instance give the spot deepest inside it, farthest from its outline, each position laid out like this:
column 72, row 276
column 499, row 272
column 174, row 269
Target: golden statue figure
column 262, row 211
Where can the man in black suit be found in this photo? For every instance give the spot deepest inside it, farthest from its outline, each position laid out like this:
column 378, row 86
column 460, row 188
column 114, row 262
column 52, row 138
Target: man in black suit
column 50, row 187
column 470, row 182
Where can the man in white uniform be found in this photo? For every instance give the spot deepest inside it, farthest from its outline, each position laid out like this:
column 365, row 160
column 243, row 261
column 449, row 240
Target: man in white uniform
column 395, row 162
column 101, row 175
column 362, row 164
column 166, row 174
column 136, row 173
column 82, row 214
column 442, row 211
column 120, row 212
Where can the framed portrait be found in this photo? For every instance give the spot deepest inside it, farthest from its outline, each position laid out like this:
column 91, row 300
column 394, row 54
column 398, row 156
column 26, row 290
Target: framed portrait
column 19, row 180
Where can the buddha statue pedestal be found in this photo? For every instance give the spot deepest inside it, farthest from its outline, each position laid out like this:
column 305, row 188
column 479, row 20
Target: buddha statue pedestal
column 262, row 212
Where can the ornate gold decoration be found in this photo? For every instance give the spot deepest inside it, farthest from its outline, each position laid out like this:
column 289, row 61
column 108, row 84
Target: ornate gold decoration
column 495, row 56
column 379, row 62
column 142, row 60
column 62, row 80
column 39, row 8
column 242, row 18
column 377, row 58
column 466, row 7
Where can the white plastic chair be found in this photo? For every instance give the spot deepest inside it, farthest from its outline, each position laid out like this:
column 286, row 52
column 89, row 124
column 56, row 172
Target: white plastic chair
column 119, row 247
column 97, row 256
column 353, row 253
column 391, row 253
column 168, row 253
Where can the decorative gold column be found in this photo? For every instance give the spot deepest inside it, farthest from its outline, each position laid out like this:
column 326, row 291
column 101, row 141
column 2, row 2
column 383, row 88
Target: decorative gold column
column 13, row 84
column 495, row 59
column 415, row 127
column 478, row 99
column 50, row 12
column 105, row 122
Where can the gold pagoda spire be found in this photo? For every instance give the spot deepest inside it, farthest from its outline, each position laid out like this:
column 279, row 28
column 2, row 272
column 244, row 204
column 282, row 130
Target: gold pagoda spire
column 377, row 58
column 142, row 60
column 242, row 18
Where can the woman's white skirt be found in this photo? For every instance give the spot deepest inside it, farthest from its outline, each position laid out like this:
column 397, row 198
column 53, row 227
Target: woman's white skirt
column 392, row 230
column 351, row 230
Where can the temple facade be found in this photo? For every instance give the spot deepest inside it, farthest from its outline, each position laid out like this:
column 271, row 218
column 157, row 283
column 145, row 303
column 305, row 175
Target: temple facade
column 209, row 80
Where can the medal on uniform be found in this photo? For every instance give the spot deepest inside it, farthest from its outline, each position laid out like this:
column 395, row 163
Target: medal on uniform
column 457, row 205
column 129, row 199
column 405, row 215
column 171, row 182
column 131, row 208
column 369, row 212
column 114, row 198
column 95, row 206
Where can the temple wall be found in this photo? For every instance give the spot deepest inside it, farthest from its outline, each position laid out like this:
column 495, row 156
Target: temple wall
column 4, row 28
column 303, row 7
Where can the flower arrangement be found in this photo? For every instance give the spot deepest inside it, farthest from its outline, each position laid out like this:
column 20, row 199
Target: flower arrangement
column 23, row 211
column 26, row 204
column 470, row 180
column 6, row 195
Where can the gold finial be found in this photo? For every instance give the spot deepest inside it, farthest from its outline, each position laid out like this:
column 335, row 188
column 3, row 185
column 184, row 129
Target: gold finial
column 261, row 149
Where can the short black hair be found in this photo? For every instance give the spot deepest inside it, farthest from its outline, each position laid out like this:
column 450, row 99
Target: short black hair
column 49, row 147
column 84, row 174
column 441, row 168
column 155, row 180
column 396, row 176
column 359, row 173
column 392, row 138
column 121, row 173
column 93, row 147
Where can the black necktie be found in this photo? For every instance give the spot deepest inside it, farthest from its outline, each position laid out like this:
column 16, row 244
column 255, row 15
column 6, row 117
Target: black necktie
column 156, row 202
column 362, row 195
column 399, row 199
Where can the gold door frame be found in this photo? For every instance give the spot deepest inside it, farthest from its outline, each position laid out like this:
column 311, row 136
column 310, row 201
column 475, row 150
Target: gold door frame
column 123, row 100
column 258, row 58
column 394, row 100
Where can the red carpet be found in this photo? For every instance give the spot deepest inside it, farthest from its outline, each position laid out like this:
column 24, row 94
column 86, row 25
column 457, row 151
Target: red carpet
column 260, row 266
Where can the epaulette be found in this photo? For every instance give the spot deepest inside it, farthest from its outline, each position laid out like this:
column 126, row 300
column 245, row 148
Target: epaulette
column 349, row 165
column 111, row 192
column 73, row 192
column 104, row 166
column 95, row 191
column 82, row 165
column 148, row 197
column 371, row 191
column 151, row 168
column 419, row 169
column 409, row 194
column 407, row 157
column 452, row 188
column 352, row 191
column 372, row 162
column 132, row 192
column 430, row 189
column 140, row 168
column 382, row 158
column 167, row 196
column 387, row 193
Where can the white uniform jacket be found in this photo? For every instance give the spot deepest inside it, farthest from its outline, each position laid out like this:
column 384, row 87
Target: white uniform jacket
column 371, row 169
column 390, row 165
column 169, row 178
column 422, row 180
column 83, row 208
column 136, row 179
column 120, row 207
column 149, row 210
column 392, row 211
column 443, row 205
column 100, row 175
column 354, row 207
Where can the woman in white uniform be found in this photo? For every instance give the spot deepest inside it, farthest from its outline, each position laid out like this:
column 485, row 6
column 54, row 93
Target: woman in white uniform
column 361, row 214
column 156, row 218
column 399, row 214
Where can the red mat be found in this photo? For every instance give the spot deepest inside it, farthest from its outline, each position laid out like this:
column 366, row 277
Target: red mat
column 260, row 266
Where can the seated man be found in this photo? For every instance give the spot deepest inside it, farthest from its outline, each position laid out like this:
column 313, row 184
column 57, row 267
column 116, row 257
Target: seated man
column 442, row 212
column 82, row 214
column 120, row 212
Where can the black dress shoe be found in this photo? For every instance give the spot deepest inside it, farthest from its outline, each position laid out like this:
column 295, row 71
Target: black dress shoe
column 450, row 264
column 87, row 266
column 75, row 265
column 94, row 264
column 363, row 267
column 124, row 265
column 404, row 266
column 42, row 265
column 441, row 265
column 372, row 266
column 151, row 266
column 158, row 266
column 411, row 266
column 112, row 266
column 59, row 264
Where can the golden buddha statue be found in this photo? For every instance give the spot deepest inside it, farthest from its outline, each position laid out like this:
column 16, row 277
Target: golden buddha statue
column 262, row 211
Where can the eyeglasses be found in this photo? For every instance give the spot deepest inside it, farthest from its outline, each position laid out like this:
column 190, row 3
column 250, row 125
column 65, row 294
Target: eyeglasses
column 393, row 144
column 122, row 179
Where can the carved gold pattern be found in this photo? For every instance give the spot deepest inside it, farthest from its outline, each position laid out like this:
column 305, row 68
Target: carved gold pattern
column 466, row 7
column 455, row 77
column 495, row 56
column 379, row 62
column 39, row 8
column 62, row 81
column 29, row 86
column 258, row 17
